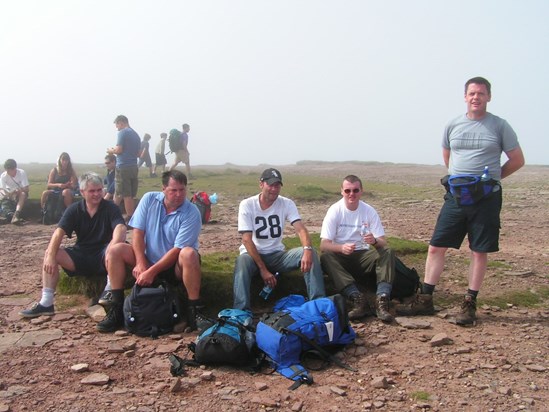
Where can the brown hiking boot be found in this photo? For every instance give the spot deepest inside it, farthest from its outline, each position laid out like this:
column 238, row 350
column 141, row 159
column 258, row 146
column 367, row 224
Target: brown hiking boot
column 360, row 306
column 382, row 309
column 421, row 305
column 468, row 313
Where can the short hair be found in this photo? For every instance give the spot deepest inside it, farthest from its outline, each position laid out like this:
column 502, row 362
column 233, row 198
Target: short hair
column 110, row 158
column 185, row 125
column 10, row 164
column 89, row 178
column 121, row 118
column 162, row 135
column 479, row 80
column 146, row 136
column 176, row 175
column 353, row 179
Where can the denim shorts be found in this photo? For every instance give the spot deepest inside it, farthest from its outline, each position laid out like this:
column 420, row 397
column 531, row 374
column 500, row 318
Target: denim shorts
column 480, row 222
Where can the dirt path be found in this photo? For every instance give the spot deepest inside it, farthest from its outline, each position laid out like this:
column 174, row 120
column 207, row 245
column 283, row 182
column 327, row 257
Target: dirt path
column 499, row 365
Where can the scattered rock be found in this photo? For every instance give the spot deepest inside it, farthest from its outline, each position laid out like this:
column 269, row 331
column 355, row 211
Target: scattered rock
column 379, row 382
column 441, row 339
column 96, row 379
column 260, row 386
column 297, row 407
column 96, row 312
column 168, row 348
column 412, row 323
column 536, row 368
column 80, row 367
column 338, row 391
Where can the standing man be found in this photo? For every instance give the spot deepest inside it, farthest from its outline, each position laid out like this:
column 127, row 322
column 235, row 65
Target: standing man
column 126, row 151
column 160, row 154
column 261, row 220
column 14, row 185
column 471, row 142
column 164, row 247
column 353, row 245
column 182, row 154
column 110, row 163
column 98, row 225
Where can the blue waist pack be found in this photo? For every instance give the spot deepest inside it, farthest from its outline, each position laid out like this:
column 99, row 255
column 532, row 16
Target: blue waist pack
column 298, row 327
column 468, row 189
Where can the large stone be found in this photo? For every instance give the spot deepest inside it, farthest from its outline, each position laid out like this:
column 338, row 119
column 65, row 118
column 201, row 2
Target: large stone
column 95, row 379
column 96, row 312
column 412, row 323
column 441, row 339
column 39, row 337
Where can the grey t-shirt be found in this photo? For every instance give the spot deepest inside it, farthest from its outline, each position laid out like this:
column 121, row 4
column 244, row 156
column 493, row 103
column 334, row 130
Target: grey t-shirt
column 474, row 144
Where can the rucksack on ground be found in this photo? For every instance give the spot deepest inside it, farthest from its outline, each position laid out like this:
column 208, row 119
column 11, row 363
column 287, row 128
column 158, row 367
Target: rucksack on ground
column 174, row 140
column 53, row 209
column 298, row 327
column 152, row 311
column 229, row 341
column 7, row 209
column 406, row 282
column 204, row 205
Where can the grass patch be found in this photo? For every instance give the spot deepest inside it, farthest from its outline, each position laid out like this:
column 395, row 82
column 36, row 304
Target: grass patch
column 524, row 298
column 496, row 264
column 420, row 396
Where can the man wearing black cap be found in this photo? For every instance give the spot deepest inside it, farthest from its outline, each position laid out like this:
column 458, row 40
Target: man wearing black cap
column 261, row 220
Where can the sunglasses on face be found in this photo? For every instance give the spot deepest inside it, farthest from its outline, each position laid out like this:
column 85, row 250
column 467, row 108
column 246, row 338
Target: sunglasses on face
column 353, row 190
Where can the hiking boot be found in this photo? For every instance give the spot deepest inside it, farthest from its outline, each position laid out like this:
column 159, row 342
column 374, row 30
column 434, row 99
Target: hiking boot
column 468, row 313
column 38, row 310
column 360, row 306
column 113, row 321
column 382, row 308
column 196, row 320
column 421, row 305
column 105, row 299
column 16, row 219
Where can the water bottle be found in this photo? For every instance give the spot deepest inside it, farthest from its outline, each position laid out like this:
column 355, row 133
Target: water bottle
column 213, row 199
column 363, row 232
column 267, row 290
column 485, row 175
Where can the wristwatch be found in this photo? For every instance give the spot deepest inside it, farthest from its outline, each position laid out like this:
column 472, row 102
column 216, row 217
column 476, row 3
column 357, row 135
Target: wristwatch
column 307, row 248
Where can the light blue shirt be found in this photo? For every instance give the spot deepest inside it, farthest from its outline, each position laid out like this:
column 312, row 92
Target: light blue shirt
column 164, row 231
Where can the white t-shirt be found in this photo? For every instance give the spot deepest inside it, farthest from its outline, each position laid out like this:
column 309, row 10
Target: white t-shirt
column 342, row 225
column 10, row 184
column 267, row 226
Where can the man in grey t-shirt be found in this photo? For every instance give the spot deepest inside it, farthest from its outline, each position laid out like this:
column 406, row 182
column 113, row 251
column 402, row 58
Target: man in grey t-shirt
column 471, row 142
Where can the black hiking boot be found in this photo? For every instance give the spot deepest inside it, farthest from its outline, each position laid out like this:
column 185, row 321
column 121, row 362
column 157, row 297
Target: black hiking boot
column 113, row 321
column 382, row 308
column 421, row 305
column 468, row 314
column 360, row 306
column 195, row 319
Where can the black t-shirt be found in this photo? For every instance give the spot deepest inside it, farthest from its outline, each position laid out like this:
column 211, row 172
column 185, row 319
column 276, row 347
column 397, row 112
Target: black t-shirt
column 91, row 233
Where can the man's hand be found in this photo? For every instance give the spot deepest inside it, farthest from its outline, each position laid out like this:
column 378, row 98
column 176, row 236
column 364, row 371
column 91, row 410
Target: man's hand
column 306, row 260
column 50, row 265
column 145, row 278
column 347, row 248
column 268, row 278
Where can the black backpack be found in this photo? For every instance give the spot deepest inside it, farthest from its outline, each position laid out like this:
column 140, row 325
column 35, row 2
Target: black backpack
column 152, row 311
column 174, row 140
column 406, row 282
column 7, row 209
column 53, row 209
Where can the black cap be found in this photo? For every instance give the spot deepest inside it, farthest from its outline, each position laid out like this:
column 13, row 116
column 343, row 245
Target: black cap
column 271, row 176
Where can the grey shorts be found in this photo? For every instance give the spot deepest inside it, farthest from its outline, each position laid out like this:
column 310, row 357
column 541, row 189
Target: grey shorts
column 126, row 181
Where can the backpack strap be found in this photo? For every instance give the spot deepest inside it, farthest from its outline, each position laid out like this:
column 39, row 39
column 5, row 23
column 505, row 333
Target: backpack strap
column 321, row 350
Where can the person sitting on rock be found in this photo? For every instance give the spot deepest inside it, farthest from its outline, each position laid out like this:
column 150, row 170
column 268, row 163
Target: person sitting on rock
column 61, row 180
column 14, row 186
column 98, row 225
column 353, row 245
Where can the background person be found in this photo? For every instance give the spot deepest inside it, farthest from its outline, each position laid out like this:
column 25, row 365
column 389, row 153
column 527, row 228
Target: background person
column 14, row 185
column 183, row 155
column 108, row 181
column 62, row 180
column 261, row 221
column 98, row 224
column 470, row 142
column 126, row 172
column 144, row 155
column 353, row 245
column 160, row 154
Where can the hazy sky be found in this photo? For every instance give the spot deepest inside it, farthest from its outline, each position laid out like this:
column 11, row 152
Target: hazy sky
column 270, row 82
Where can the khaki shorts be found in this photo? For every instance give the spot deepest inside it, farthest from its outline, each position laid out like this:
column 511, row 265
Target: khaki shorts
column 125, row 180
column 182, row 156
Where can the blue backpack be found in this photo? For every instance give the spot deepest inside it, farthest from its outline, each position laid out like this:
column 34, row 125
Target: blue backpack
column 230, row 340
column 298, row 328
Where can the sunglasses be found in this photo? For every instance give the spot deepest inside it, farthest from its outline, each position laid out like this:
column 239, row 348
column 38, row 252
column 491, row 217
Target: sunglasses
column 349, row 190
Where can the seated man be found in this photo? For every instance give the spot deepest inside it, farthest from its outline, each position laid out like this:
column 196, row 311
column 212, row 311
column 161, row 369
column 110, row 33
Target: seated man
column 352, row 241
column 164, row 247
column 14, row 185
column 261, row 220
column 98, row 225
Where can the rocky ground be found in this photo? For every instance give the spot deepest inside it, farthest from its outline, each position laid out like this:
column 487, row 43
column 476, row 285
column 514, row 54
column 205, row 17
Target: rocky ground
column 501, row 364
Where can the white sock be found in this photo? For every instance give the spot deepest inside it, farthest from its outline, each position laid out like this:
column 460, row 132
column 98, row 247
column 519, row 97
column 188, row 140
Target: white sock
column 108, row 285
column 47, row 297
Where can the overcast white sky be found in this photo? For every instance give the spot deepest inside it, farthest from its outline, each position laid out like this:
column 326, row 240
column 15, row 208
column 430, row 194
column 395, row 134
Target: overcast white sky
column 270, row 82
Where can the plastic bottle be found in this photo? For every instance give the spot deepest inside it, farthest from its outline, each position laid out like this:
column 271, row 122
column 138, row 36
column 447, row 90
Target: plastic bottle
column 213, row 199
column 485, row 175
column 267, row 290
column 364, row 230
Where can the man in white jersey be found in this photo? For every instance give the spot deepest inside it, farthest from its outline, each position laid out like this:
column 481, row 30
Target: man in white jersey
column 14, row 185
column 261, row 220
column 353, row 245
column 471, row 143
